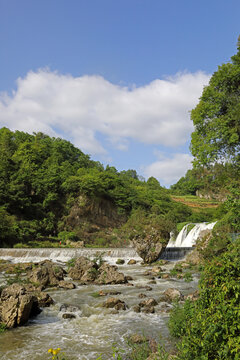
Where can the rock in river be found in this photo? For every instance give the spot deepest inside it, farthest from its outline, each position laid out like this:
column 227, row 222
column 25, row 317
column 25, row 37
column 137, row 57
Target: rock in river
column 16, row 306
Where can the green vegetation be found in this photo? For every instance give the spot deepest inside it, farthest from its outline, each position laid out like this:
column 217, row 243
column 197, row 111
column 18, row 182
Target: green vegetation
column 209, row 327
column 3, row 327
column 188, row 276
column 179, row 318
column 51, row 191
column 216, row 117
column 95, row 294
column 71, row 263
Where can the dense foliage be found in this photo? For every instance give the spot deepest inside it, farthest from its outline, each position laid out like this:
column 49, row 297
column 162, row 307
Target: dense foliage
column 217, row 116
column 212, row 181
column 42, row 179
column 209, row 328
column 215, row 142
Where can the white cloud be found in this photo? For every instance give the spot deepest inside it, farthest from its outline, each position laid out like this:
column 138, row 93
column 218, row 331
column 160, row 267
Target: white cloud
column 79, row 108
column 169, row 170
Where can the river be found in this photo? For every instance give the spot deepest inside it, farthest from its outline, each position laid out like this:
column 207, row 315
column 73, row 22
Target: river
column 95, row 329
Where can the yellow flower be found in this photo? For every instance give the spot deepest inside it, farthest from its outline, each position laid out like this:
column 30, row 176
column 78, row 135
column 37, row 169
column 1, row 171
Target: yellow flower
column 50, row 350
column 56, row 351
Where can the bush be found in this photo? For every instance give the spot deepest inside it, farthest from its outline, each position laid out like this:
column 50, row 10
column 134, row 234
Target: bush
column 179, row 317
column 212, row 331
column 67, row 235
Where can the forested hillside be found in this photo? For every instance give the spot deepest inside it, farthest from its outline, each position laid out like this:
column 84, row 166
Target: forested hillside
column 50, row 190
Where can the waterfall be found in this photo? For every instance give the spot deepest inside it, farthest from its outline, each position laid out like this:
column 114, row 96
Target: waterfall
column 187, row 239
column 65, row 254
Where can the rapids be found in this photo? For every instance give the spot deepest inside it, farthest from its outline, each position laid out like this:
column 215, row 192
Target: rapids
column 95, row 329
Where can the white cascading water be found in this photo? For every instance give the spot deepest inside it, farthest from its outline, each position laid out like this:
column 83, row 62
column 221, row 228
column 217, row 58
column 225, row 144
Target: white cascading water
column 187, row 239
column 64, row 254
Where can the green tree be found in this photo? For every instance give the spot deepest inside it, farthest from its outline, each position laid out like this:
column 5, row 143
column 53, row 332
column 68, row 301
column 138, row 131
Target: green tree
column 217, row 116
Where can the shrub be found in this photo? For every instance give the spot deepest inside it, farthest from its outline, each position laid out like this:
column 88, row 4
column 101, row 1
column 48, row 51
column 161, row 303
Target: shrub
column 179, row 317
column 212, row 331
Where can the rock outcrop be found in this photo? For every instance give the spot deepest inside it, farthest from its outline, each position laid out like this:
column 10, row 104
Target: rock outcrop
column 172, row 294
column 149, row 245
column 115, row 303
column 132, row 262
column 87, row 271
column 17, row 305
column 46, row 273
column 109, row 274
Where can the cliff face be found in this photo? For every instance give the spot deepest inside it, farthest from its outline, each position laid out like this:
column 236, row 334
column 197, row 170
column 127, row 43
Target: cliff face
column 90, row 215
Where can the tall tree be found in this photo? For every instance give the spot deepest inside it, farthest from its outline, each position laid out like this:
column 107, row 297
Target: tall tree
column 217, row 116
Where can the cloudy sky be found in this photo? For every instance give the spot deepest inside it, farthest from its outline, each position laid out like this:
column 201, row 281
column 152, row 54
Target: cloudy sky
column 116, row 78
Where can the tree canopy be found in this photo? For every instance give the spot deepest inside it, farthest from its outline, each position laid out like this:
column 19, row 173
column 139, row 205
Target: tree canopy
column 217, row 117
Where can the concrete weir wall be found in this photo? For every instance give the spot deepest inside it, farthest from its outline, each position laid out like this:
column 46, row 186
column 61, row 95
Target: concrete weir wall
column 65, row 254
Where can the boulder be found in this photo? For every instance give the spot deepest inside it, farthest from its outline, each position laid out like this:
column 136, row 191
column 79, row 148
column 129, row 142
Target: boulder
column 110, row 292
column 66, row 285
column 148, row 302
column 136, row 308
column 114, row 303
column 88, row 271
column 156, row 269
column 132, row 262
column 68, row 316
column 148, row 310
column 172, row 294
column 120, row 261
column 44, row 299
column 120, row 306
column 83, row 266
column 165, row 276
column 137, row 339
column 146, row 287
column 150, row 244
column 69, row 308
column 141, row 296
column 16, row 305
column 129, row 278
column 108, row 274
column 46, row 274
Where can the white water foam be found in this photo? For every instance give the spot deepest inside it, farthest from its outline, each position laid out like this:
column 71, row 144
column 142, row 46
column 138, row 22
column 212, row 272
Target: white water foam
column 185, row 239
column 63, row 255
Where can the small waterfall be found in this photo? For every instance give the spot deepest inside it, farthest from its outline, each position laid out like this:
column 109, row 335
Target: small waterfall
column 187, row 239
column 65, row 254
column 174, row 253
column 180, row 238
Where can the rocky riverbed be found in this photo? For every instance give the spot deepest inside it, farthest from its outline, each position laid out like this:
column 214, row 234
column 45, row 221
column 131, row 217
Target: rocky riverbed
column 103, row 306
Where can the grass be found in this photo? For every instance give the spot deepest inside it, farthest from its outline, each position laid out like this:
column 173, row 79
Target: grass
column 95, row 294
column 196, row 202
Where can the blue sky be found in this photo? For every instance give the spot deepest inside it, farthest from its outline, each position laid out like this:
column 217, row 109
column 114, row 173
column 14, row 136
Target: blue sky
column 117, row 78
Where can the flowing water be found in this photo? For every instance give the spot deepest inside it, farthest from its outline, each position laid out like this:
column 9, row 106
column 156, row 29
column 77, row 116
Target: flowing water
column 95, row 329
column 187, row 239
